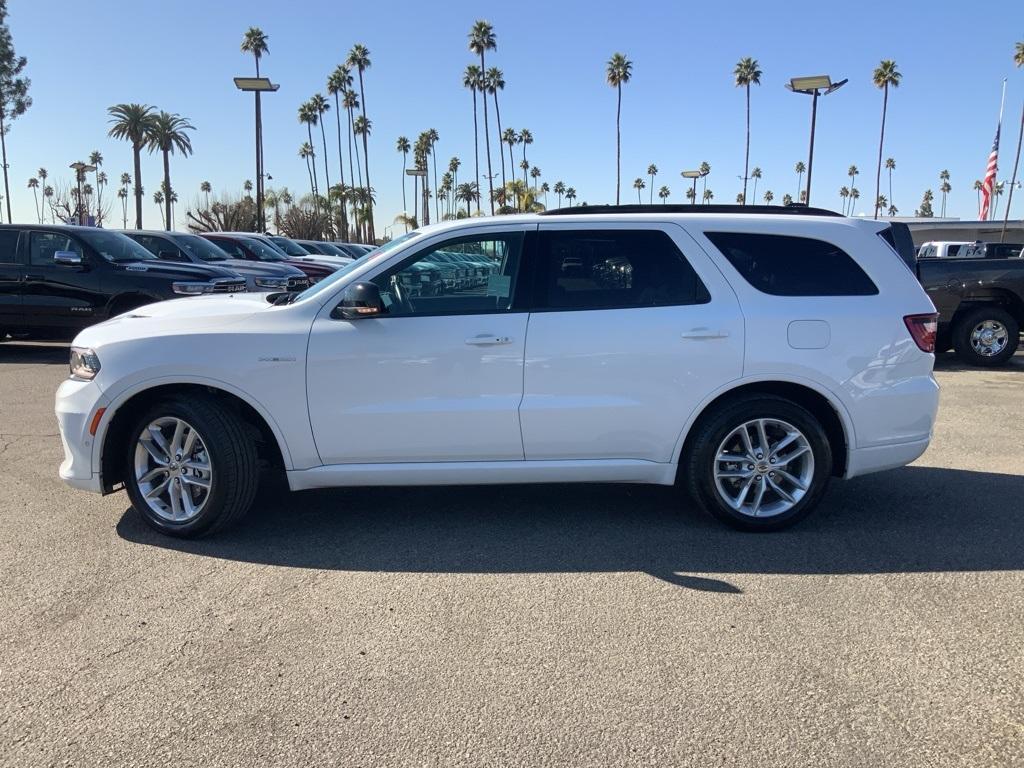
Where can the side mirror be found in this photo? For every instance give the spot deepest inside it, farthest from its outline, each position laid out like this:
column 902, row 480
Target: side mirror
column 359, row 301
column 170, row 256
column 67, row 259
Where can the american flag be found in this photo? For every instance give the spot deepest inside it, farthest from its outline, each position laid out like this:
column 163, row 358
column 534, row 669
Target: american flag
column 990, row 177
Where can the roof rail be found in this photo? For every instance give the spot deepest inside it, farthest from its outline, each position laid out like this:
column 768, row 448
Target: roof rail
column 793, row 209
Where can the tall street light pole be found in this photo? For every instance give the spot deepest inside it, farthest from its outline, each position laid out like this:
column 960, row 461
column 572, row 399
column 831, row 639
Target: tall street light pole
column 80, row 170
column 693, row 175
column 422, row 173
column 258, row 85
column 814, row 86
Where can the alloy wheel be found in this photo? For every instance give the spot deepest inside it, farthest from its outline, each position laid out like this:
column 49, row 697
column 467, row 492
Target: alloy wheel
column 173, row 470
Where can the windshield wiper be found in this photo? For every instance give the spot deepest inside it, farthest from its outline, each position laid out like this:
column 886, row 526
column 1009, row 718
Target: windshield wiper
column 285, row 297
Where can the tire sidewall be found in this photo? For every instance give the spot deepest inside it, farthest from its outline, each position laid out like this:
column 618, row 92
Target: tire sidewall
column 724, row 422
column 218, row 460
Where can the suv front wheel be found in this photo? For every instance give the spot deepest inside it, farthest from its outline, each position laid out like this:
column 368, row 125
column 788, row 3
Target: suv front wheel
column 760, row 463
column 191, row 467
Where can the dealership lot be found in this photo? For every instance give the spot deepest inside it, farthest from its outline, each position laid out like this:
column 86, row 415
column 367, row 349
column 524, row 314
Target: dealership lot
column 588, row 625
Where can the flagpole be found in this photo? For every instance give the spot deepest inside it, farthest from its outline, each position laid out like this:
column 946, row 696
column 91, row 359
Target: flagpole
column 1013, row 179
column 999, row 130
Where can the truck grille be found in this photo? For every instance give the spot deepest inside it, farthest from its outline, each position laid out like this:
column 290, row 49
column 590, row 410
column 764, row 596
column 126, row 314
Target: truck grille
column 228, row 285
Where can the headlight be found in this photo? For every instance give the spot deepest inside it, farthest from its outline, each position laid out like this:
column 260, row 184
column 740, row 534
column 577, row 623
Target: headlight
column 192, row 289
column 272, row 283
column 84, row 364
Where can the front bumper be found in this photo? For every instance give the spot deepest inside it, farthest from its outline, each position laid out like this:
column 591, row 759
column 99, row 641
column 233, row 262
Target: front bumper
column 76, row 405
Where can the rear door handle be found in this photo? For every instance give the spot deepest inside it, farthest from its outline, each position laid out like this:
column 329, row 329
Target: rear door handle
column 488, row 340
column 705, row 333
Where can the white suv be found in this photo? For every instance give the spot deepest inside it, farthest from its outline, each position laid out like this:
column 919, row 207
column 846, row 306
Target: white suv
column 746, row 356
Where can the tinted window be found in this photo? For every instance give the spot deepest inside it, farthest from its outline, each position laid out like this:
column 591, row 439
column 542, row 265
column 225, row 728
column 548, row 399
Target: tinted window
column 286, row 245
column 233, row 249
column 606, row 269
column 470, row 275
column 200, row 248
column 793, row 266
column 115, row 247
column 43, row 245
column 8, row 246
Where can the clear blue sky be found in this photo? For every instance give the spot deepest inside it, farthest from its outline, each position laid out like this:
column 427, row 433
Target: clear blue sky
column 680, row 108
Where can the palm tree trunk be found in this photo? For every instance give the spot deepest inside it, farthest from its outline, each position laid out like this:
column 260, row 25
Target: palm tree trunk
column 405, row 204
column 316, row 186
column 618, row 144
column 501, row 150
column 312, row 187
column 137, row 152
column 366, row 161
column 881, row 140
column 327, row 176
column 341, row 169
column 35, row 195
column 3, row 145
column 652, row 189
column 1013, row 179
column 416, row 198
column 487, row 141
column 890, row 181
column 799, row 185
column 99, row 197
column 746, row 158
column 437, row 202
column 476, row 149
column 167, row 190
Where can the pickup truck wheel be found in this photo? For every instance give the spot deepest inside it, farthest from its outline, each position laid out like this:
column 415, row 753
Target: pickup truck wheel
column 986, row 336
column 759, row 464
column 192, row 467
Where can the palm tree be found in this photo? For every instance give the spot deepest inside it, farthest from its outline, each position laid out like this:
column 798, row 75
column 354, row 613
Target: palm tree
column 467, row 193
column 494, row 79
column 570, row 195
column 545, row 189
column 535, row 174
column 787, row 199
column 206, row 188
column 158, row 198
column 844, row 194
column 559, row 190
column 319, row 104
column 33, row 184
column 168, row 134
column 886, row 74
column 132, row 122
column 509, row 137
column 1018, row 60
column 254, row 41
column 96, row 160
column 308, row 116
column 739, row 198
column 639, row 184
column 652, row 171
column 800, row 169
column 882, row 203
column 42, row 175
column 472, row 79
column 338, row 83
column 122, row 195
column 432, row 138
column 944, row 188
column 306, row 153
column 977, row 188
column 359, row 59
column 852, row 172
column 403, row 146
column 481, row 40
column 747, row 74
column 890, row 166
column 526, row 139
column 691, row 195
column 893, row 210
column 854, row 196
column 708, row 196
column 664, row 193
column 768, row 197
column 705, row 169
column 350, row 101
column 755, row 175
column 618, row 72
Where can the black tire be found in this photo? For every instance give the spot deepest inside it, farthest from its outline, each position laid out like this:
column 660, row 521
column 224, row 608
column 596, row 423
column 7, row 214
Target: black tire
column 966, row 325
column 232, row 452
column 697, row 469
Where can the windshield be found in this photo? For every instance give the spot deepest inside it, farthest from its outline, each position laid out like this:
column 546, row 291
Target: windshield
column 263, row 251
column 357, row 264
column 200, row 248
column 286, row 245
column 114, row 247
column 329, row 249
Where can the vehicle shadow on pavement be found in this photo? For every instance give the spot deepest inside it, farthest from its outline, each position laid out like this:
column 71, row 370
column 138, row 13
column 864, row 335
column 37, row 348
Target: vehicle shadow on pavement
column 948, row 361
column 910, row 520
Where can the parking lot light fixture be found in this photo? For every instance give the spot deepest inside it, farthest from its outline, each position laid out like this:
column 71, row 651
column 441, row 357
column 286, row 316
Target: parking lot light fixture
column 80, row 170
column 813, row 86
column 258, row 85
column 693, row 175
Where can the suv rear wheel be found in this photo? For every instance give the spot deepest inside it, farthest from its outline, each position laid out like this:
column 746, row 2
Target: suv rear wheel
column 191, row 467
column 760, row 463
column 986, row 336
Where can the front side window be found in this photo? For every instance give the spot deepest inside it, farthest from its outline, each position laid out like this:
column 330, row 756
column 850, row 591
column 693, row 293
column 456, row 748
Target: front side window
column 8, row 246
column 614, row 269
column 199, row 248
column 470, row 275
column 43, row 245
column 782, row 265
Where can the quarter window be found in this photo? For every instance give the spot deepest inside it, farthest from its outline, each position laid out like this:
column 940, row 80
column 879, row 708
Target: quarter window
column 614, row 269
column 43, row 245
column 782, row 265
column 470, row 275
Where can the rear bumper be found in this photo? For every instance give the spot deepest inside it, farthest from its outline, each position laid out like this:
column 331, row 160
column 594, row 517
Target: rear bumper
column 77, row 402
column 863, row 461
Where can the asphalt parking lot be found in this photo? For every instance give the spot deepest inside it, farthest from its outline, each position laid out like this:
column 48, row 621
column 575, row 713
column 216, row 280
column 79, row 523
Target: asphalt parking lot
column 554, row 625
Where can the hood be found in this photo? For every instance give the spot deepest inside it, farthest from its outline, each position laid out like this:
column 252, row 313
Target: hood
column 173, row 270
column 328, row 261
column 260, row 268
column 312, row 268
column 177, row 316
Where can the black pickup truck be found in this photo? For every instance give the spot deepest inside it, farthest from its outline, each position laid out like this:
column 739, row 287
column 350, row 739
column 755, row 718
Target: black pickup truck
column 980, row 304
column 55, row 280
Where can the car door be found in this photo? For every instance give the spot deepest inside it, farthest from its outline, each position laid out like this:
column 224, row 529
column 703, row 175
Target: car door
column 10, row 281
column 438, row 377
column 632, row 327
column 56, row 295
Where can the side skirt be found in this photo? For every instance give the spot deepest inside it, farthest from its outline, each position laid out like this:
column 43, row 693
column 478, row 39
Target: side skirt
column 484, row 473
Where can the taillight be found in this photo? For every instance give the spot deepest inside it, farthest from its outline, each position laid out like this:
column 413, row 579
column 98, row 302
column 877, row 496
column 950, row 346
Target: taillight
column 923, row 328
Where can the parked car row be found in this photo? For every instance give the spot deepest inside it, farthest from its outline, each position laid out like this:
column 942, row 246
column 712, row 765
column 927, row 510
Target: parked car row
column 56, row 280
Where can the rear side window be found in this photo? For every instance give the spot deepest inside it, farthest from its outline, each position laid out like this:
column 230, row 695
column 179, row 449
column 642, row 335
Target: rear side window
column 8, row 246
column 614, row 269
column 782, row 265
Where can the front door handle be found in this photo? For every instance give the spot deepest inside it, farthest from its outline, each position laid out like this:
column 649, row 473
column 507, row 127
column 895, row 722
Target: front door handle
column 488, row 340
column 705, row 333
